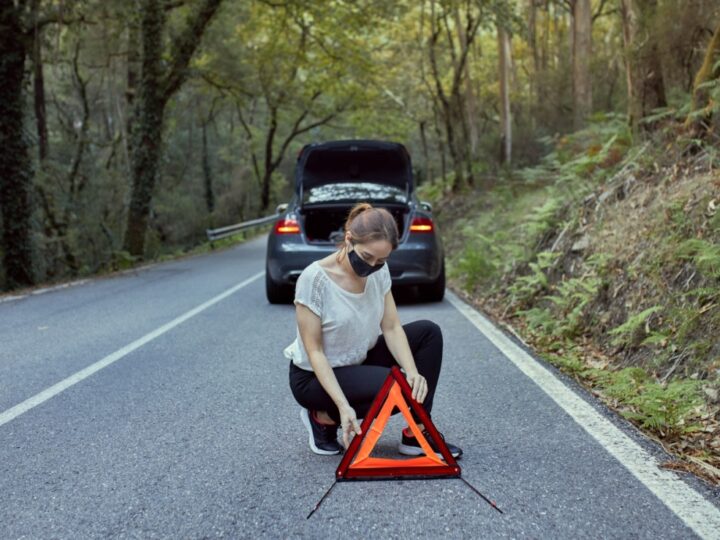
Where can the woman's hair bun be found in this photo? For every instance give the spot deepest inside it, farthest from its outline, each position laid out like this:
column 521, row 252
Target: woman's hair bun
column 358, row 209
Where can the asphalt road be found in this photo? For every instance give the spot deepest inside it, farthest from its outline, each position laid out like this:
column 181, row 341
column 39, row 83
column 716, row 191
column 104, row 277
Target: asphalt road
column 190, row 429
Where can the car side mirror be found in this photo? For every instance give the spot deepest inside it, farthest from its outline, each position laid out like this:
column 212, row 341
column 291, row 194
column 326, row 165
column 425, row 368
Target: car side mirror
column 281, row 208
column 426, row 206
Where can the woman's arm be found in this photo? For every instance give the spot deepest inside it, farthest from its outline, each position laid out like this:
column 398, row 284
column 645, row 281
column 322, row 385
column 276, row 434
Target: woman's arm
column 397, row 343
column 310, row 329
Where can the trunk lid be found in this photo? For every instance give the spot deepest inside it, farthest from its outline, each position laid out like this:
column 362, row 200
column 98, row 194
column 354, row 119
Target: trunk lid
column 381, row 169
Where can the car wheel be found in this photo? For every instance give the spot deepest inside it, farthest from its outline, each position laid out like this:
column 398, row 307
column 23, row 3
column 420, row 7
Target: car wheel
column 434, row 292
column 277, row 293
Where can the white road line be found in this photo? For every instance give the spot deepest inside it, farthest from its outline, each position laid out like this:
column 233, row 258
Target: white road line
column 692, row 508
column 55, row 389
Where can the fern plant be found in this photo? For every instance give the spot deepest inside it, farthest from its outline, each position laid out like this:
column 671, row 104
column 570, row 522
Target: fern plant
column 479, row 261
column 567, row 358
column 704, row 293
column 705, row 255
column 666, row 410
column 581, row 158
column 539, row 320
column 524, row 288
column 622, row 385
column 597, row 263
column 573, row 296
column 662, row 409
column 626, row 332
column 543, row 218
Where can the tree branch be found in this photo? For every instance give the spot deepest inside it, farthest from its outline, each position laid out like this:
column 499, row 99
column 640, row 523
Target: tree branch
column 599, row 12
column 234, row 91
column 82, row 136
column 296, row 130
column 185, row 45
column 296, row 66
column 470, row 31
column 248, row 131
column 451, row 42
column 272, row 4
column 173, row 4
column 435, row 33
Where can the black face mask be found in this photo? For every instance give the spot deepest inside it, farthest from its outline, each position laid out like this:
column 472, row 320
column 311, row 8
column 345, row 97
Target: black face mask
column 360, row 267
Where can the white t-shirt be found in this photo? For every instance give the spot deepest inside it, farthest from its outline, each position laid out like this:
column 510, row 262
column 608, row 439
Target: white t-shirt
column 350, row 321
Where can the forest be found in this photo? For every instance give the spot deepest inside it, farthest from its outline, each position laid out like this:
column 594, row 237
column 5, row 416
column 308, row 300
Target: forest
column 569, row 148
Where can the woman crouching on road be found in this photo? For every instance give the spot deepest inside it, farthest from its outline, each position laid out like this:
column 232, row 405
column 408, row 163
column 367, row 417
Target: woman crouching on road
column 339, row 360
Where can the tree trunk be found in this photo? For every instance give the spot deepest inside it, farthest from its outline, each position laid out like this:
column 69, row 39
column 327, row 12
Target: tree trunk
column 647, row 86
column 429, row 174
column 155, row 92
column 445, row 107
column 452, row 146
column 629, row 27
column 532, row 34
column 505, row 114
column 470, row 101
column 15, row 166
column 267, row 174
column 558, row 32
column 701, row 96
column 133, row 64
column 545, row 56
column 147, row 132
column 207, row 172
column 440, row 141
column 534, row 82
column 582, row 55
column 39, row 88
column 452, row 103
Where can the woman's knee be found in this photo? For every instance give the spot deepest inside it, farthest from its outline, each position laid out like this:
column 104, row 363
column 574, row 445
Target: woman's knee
column 426, row 343
column 434, row 329
column 430, row 329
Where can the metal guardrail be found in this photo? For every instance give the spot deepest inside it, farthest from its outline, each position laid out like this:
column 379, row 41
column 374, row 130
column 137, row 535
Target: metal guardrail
column 223, row 232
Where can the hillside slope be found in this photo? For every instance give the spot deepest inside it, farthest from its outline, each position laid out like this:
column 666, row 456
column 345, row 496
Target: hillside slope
column 606, row 259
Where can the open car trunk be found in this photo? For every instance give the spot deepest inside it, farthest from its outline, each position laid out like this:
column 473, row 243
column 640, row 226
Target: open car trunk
column 382, row 163
column 323, row 223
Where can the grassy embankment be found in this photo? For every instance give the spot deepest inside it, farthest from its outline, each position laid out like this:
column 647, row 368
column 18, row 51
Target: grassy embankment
column 605, row 258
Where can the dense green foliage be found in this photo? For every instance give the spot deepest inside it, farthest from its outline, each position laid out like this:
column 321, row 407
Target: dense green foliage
column 148, row 122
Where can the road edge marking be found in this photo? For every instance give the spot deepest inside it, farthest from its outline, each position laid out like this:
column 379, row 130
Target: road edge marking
column 52, row 391
column 699, row 514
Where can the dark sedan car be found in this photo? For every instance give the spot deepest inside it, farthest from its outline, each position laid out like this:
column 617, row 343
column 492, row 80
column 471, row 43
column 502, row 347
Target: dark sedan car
column 330, row 178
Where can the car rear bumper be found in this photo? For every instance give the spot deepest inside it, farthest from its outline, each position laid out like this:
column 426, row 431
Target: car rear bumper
column 416, row 261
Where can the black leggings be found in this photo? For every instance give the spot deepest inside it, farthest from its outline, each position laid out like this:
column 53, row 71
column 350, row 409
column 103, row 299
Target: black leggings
column 360, row 383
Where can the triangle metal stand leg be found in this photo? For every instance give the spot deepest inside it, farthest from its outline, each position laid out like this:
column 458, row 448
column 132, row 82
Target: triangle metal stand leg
column 491, row 503
column 321, row 500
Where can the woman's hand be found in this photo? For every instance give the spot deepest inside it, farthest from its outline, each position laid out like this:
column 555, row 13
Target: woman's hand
column 349, row 424
column 419, row 386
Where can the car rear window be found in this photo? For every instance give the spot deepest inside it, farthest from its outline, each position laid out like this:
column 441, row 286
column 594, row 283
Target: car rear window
column 353, row 191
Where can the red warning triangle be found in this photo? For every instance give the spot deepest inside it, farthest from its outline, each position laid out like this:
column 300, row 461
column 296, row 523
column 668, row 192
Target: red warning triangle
column 357, row 463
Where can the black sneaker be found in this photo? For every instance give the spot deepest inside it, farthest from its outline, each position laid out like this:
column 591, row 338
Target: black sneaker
column 410, row 446
column 323, row 438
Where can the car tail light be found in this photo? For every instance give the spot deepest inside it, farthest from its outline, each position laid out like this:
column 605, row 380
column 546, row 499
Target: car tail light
column 287, row 226
column 421, row 224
